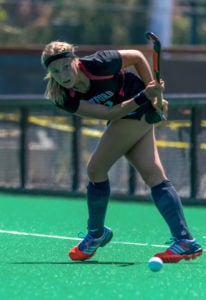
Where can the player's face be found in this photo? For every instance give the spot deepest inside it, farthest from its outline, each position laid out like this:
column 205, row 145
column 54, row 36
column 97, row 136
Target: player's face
column 64, row 71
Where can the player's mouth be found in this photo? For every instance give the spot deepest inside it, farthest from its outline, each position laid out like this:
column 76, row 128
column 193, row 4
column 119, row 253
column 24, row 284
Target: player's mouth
column 67, row 81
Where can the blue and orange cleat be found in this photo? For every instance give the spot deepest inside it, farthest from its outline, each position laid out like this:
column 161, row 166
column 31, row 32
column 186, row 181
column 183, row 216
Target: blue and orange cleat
column 88, row 246
column 181, row 249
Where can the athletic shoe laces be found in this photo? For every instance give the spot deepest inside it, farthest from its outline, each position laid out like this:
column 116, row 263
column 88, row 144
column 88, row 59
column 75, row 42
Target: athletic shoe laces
column 180, row 246
column 89, row 244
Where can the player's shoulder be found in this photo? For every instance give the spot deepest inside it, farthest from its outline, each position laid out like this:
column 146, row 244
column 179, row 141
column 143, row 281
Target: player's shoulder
column 106, row 61
column 102, row 55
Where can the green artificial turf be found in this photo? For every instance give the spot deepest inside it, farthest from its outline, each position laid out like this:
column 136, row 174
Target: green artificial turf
column 37, row 232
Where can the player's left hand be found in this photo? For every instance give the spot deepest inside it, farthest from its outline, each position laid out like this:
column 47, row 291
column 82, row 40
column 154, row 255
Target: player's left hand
column 165, row 108
column 158, row 103
column 154, row 90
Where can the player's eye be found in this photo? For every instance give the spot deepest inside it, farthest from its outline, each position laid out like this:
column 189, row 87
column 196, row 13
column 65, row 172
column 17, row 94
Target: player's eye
column 66, row 66
column 54, row 71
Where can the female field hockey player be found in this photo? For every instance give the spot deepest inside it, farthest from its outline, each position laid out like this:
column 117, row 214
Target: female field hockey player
column 99, row 86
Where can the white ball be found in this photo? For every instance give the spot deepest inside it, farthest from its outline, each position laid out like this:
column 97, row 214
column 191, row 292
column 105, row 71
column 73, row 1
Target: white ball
column 155, row 264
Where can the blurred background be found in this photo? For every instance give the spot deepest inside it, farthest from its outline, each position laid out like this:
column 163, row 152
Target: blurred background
column 108, row 22
column 45, row 150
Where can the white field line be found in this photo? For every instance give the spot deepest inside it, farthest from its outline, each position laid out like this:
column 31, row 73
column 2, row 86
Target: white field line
column 78, row 239
column 72, row 238
column 39, row 235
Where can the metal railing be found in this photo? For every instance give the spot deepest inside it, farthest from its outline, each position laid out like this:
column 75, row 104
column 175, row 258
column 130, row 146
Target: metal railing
column 24, row 104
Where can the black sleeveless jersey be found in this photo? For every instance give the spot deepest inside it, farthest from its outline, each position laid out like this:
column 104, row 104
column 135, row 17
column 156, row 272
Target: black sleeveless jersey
column 109, row 84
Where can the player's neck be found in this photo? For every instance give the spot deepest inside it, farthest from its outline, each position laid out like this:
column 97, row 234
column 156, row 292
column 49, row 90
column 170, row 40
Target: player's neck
column 83, row 83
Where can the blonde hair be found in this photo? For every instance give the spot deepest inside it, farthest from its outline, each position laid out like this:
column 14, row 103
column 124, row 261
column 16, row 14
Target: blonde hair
column 54, row 91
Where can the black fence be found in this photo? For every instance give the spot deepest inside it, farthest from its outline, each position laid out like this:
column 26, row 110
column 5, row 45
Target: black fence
column 45, row 150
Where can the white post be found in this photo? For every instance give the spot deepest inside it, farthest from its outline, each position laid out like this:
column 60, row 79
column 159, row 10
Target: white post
column 161, row 20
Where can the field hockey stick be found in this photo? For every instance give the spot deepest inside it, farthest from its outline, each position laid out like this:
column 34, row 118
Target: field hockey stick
column 157, row 48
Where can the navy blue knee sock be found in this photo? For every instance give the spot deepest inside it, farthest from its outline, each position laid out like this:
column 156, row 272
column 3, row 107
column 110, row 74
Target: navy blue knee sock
column 170, row 207
column 97, row 200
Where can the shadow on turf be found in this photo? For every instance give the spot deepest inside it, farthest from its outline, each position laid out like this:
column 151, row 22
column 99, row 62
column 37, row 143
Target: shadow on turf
column 94, row 262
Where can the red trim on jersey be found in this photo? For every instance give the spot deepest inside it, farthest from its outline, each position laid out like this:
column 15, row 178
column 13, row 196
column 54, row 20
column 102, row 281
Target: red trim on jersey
column 121, row 91
column 71, row 93
column 91, row 76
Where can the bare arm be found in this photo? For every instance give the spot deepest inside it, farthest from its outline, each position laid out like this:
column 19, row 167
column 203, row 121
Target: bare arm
column 118, row 111
column 103, row 112
column 138, row 60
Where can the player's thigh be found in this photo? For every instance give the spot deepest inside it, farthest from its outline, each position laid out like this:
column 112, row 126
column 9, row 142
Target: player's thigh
column 145, row 158
column 119, row 137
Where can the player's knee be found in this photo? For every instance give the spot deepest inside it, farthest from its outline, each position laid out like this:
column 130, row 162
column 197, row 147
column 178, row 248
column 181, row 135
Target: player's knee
column 96, row 171
column 152, row 178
